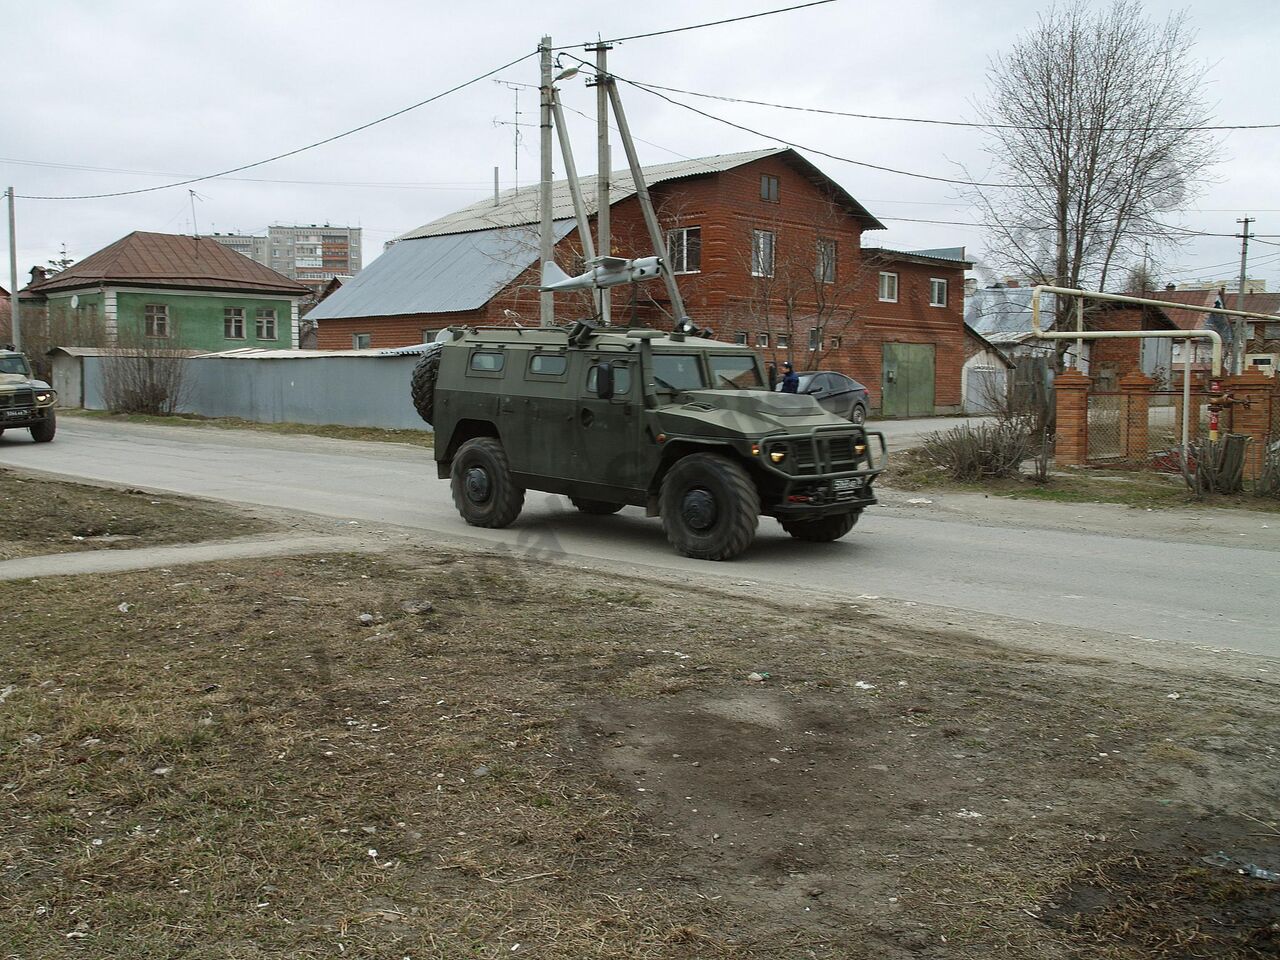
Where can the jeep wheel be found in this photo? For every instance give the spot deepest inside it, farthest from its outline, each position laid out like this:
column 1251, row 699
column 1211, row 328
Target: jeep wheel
column 483, row 489
column 423, row 385
column 822, row 529
column 43, row 431
column 710, row 508
column 596, row 508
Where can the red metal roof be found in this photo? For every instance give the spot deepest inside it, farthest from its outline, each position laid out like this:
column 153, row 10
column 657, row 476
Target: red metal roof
column 1193, row 317
column 169, row 260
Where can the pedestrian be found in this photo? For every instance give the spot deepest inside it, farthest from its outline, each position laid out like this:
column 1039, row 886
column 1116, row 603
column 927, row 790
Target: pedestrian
column 790, row 380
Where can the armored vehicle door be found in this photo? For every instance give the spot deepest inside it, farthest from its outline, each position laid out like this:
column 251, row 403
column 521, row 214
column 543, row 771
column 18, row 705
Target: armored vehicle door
column 606, row 431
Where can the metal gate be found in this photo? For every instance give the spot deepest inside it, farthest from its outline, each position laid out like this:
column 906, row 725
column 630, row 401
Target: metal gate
column 907, row 377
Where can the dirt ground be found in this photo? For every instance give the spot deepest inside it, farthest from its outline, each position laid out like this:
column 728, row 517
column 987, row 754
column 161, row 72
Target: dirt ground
column 40, row 516
column 237, row 763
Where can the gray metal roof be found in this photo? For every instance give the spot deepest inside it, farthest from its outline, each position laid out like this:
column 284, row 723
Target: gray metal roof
column 997, row 310
column 437, row 273
column 519, row 207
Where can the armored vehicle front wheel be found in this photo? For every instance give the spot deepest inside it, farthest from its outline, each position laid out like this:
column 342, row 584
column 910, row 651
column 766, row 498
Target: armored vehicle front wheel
column 43, row 431
column 822, row 529
column 596, row 508
column 710, row 508
column 483, row 489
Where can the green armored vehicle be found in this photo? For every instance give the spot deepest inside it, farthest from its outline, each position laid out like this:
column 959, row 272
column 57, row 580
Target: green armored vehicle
column 682, row 426
column 24, row 400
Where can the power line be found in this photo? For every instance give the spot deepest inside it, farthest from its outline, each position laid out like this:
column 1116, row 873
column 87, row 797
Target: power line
column 699, row 26
column 291, row 153
column 927, row 120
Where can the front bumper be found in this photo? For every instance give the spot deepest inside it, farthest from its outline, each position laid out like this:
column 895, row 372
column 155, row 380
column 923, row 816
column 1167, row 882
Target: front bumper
column 20, row 409
column 823, row 473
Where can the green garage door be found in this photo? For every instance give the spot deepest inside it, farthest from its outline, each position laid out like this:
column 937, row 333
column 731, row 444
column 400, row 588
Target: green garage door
column 906, row 387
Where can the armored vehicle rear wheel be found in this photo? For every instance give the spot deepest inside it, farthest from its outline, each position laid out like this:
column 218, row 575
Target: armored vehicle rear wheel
column 822, row 529
column 43, row 431
column 597, row 508
column 483, row 489
column 423, row 384
column 710, row 508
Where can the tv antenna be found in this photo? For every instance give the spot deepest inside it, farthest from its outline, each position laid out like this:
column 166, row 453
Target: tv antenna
column 515, row 125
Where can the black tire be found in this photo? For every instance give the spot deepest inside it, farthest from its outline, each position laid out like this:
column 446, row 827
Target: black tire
column 822, row 529
column 596, row 508
column 43, row 431
column 484, row 491
column 859, row 414
column 710, row 508
column 422, row 385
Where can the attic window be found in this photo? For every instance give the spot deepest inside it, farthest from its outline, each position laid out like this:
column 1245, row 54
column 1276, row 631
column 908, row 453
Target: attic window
column 769, row 188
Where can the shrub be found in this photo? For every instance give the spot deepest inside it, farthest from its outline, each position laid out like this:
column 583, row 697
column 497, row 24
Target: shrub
column 982, row 452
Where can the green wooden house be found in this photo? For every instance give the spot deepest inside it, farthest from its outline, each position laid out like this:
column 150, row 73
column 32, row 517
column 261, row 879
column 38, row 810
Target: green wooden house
column 160, row 289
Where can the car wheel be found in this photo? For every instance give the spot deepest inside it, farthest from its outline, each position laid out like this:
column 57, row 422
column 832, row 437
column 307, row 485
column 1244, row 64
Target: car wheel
column 43, row 431
column 822, row 529
column 484, row 491
column 710, row 508
column 422, row 385
column 596, row 508
column 859, row 415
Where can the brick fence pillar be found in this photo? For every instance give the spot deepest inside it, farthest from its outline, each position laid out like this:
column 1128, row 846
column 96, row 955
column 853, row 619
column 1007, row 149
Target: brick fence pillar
column 1254, row 420
column 1135, row 406
column 1071, row 402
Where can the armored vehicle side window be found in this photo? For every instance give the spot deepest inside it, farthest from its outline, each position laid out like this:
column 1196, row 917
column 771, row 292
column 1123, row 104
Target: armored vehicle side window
column 734, row 371
column 677, row 371
column 13, row 364
column 621, row 379
column 548, row 364
column 484, row 362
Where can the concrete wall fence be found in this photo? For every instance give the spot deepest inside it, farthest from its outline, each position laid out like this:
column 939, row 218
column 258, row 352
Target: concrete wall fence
column 353, row 391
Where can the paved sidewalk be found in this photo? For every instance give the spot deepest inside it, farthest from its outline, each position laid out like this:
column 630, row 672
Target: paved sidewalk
column 145, row 558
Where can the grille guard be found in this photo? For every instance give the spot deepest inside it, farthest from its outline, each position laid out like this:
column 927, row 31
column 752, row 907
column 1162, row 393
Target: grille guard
column 822, row 454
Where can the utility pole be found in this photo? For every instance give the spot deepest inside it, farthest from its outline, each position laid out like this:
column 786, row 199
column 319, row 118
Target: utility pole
column 571, row 174
column 603, row 162
column 16, row 323
column 1242, row 325
column 546, row 299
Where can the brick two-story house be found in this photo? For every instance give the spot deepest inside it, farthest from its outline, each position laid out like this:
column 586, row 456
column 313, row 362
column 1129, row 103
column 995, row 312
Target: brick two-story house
column 767, row 250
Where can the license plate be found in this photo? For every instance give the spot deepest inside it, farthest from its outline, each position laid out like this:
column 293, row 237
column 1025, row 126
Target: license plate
column 846, row 487
column 16, row 414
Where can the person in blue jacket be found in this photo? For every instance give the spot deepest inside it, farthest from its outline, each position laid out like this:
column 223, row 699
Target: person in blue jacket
column 790, row 379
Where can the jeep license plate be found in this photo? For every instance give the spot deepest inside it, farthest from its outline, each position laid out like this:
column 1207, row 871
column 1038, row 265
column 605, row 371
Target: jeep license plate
column 847, row 488
column 16, row 414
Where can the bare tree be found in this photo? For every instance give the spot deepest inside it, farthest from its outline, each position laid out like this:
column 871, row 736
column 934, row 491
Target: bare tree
column 142, row 374
column 1094, row 137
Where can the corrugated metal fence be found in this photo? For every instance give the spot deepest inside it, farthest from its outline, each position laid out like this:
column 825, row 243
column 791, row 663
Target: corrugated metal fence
column 354, row 391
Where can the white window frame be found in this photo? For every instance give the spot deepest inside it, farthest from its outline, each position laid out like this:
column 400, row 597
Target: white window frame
column 157, row 330
column 933, row 288
column 762, row 340
column 815, row 339
column 679, row 239
column 836, row 342
column 740, row 338
column 762, row 242
column 888, row 279
column 361, row 341
column 265, row 315
column 232, row 319
column 826, row 268
column 784, row 341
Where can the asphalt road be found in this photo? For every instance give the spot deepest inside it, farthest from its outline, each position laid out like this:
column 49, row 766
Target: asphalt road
column 1205, row 590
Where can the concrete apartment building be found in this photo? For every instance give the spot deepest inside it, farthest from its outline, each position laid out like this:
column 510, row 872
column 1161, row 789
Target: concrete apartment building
column 311, row 254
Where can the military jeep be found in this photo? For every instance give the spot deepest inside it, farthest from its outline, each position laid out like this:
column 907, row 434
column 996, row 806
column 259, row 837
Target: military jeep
column 24, row 400
column 683, row 426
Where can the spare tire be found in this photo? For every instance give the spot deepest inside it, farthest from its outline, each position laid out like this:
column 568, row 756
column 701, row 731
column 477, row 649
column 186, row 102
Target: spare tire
column 423, row 383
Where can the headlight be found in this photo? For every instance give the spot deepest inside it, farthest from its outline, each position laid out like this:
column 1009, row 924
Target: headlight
column 777, row 455
column 42, row 397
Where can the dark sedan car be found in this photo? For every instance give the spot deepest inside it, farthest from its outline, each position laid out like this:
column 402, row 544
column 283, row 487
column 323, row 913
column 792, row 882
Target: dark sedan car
column 841, row 395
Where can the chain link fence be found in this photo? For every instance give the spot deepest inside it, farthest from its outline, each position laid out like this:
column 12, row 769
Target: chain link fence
column 1104, row 426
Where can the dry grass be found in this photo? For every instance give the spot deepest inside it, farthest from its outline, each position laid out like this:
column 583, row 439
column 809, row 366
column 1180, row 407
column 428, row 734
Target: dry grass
column 333, row 431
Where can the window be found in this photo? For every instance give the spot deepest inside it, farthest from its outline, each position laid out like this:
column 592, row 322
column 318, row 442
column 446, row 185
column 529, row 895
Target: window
column 740, row 338
column 889, row 287
column 548, row 364
column 233, row 323
column 156, row 316
column 835, row 343
column 826, row 271
column 762, row 339
column 769, row 188
column 937, row 293
column 621, row 378
column 429, row 334
column 815, row 339
column 684, row 249
column 761, row 253
column 1270, row 331
column 266, row 323
column 784, row 341
column 677, row 372
column 734, row 371
column 361, row 341
column 486, row 362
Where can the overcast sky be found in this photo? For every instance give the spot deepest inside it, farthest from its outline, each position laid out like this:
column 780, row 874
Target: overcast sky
column 148, row 92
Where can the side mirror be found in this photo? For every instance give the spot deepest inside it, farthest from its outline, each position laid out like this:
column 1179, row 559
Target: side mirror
column 604, row 381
